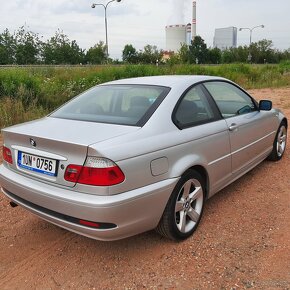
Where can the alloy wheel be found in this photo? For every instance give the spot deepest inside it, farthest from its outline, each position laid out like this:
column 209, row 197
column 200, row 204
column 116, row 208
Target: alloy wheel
column 189, row 205
column 281, row 141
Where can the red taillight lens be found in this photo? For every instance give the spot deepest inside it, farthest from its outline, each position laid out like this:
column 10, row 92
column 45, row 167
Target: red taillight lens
column 97, row 172
column 72, row 173
column 7, row 155
column 101, row 176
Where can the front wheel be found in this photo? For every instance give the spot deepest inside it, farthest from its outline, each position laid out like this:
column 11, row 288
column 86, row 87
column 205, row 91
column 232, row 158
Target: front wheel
column 279, row 145
column 184, row 208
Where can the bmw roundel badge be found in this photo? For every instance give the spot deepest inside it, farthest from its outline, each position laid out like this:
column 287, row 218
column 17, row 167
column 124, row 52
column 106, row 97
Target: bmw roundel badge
column 32, row 142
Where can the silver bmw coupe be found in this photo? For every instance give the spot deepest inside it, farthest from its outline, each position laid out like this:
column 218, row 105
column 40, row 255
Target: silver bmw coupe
column 138, row 154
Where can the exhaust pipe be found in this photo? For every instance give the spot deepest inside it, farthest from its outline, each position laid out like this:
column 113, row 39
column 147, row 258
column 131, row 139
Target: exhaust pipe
column 13, row 204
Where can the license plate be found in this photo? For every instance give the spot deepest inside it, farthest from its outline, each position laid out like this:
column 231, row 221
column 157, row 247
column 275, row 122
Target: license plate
column 37, row 163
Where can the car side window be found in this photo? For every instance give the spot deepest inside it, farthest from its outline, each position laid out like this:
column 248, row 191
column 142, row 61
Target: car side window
column 230, row 100
column 193, row 109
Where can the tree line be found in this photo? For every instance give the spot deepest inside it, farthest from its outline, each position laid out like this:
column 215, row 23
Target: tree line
column 25, row 47
column 258, row 52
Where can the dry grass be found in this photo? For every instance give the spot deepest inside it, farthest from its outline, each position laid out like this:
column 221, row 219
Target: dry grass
column 14, row 111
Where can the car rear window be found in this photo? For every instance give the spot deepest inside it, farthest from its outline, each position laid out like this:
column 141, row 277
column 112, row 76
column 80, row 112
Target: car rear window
column 114, row 104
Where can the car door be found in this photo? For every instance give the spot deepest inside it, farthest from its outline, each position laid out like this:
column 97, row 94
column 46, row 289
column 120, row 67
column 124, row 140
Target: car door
column 251, row 131
column 205, row 135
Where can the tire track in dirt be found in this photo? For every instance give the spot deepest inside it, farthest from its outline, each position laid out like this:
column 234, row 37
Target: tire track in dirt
column 17, row 272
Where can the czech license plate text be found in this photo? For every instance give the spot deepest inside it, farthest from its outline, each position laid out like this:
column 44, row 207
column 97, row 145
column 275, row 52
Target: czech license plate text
column 37, row 163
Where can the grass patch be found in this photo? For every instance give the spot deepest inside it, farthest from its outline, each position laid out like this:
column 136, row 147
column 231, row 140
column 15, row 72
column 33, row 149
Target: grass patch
column 30, row 92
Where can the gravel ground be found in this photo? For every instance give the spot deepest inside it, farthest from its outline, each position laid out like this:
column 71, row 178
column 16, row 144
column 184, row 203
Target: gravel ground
column 242, row 242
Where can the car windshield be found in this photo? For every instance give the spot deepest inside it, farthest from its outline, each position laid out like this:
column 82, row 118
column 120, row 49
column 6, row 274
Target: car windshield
column 114, row 104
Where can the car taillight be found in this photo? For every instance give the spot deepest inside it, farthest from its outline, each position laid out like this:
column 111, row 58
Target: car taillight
column 72, row 173
column 96, row 171
column 7, row 155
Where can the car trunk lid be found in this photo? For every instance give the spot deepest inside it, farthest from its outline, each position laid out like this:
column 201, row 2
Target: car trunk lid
column 51, row 144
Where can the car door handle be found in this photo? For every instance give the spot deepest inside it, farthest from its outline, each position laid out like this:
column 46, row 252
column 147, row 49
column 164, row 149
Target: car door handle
column 233, row 127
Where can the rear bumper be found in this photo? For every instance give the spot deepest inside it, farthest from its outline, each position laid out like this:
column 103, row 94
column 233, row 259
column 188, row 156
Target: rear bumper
column 133, row 212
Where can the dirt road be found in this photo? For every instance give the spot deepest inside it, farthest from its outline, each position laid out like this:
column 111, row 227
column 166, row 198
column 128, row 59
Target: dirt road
column 242, row 242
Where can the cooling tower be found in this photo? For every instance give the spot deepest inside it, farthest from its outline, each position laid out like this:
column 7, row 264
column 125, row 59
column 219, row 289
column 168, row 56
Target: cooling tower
column 175, row 37
column 188, row 34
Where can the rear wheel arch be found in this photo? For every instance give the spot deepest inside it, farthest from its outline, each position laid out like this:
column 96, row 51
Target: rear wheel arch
column 203, row 172
column 285, row 121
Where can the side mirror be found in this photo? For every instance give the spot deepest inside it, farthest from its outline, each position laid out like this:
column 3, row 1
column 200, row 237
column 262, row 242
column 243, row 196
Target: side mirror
column 265, row 105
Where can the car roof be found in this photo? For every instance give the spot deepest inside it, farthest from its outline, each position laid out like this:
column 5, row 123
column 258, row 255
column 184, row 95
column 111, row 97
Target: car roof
column 165, row 80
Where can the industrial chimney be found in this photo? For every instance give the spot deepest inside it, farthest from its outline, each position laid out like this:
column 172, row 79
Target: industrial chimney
column 193, row 27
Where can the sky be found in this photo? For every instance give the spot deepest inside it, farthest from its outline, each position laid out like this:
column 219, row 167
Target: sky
column 140, row 22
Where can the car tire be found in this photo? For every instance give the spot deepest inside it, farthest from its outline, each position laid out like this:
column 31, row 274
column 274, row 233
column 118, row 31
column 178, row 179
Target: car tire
column 279, row 144
column 184, row 208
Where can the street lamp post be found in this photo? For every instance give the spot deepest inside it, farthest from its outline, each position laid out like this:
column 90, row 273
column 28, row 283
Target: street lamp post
column 251, row 32
column 106, row 21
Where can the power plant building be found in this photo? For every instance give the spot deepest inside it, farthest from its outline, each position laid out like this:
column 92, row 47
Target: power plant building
column 179, row 34
column 225, row 38
column 175, row 37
